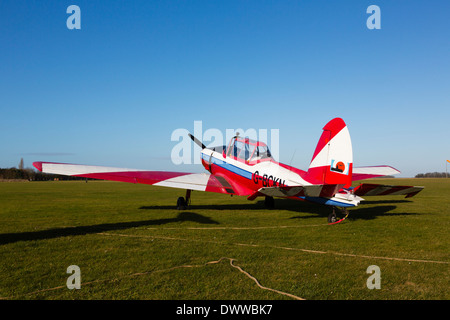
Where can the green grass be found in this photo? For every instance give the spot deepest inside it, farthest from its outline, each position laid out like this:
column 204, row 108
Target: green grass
column 130, row 242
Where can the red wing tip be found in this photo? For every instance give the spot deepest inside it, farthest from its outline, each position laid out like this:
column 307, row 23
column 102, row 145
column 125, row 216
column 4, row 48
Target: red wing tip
column 38, row 165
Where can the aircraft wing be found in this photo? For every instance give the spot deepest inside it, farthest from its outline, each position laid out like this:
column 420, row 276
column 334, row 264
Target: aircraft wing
column 181, row 180
column 368, row 189
column 361, row 173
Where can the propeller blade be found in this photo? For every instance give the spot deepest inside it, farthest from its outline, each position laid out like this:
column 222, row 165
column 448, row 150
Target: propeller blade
column 201, row 145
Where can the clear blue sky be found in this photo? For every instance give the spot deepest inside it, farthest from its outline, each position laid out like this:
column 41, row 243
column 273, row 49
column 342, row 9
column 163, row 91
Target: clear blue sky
column 113, row 92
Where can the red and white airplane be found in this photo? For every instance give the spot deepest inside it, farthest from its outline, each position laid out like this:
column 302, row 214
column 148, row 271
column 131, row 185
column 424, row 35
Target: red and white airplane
column 246, row 168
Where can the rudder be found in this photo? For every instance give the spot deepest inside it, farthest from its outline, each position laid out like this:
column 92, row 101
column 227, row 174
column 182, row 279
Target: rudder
column 332, row 161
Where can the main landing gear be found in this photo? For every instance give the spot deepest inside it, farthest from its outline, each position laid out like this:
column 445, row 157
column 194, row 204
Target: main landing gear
column 333, row 219
column 182, row 203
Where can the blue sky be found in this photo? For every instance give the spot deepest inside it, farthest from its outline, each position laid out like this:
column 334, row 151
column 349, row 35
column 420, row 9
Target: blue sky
column 113, row 92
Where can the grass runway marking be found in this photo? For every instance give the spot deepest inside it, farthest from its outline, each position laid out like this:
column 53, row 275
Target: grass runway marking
column 278, row 247
column 240, row 228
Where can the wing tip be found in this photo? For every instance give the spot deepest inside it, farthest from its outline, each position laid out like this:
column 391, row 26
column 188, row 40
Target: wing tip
column 412, row 194
column 38, row 165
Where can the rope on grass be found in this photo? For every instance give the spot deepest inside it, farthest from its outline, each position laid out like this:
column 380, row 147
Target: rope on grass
column 164, row 270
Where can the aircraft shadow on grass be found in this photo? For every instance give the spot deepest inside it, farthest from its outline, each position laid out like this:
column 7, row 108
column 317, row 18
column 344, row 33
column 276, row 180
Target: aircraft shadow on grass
column 366, row 213
column 382, row 208
column 360, row 212
column 183, row 216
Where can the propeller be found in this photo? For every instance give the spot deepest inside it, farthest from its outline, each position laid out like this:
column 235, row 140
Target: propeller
column 201, row 145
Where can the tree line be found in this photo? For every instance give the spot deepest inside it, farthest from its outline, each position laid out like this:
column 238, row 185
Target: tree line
column 31, row 175
column 432, row 175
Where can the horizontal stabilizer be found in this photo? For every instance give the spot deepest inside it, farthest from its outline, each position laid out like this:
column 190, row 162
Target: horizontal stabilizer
column 361, row 173
column 367, row 189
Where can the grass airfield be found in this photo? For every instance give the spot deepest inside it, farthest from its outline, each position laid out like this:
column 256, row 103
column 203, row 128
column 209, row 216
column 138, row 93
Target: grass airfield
column 130, row 242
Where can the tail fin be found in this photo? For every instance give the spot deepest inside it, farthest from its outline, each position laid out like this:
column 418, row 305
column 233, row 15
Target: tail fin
column 332, row 162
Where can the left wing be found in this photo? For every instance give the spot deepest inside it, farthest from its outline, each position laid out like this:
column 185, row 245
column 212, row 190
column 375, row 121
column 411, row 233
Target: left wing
column 181, row 180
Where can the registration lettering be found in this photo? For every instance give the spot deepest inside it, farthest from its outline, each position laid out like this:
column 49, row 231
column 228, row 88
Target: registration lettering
column 267, row 180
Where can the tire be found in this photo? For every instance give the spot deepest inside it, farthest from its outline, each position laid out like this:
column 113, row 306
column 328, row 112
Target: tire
column 332, row 218
column 181, row 204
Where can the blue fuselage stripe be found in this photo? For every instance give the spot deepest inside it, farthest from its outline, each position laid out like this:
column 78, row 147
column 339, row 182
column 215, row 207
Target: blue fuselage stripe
column 229, row 167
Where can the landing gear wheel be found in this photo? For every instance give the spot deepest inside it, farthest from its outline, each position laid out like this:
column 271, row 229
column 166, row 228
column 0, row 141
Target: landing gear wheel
column 332, row 218
column 181, row 204
column 269, row 203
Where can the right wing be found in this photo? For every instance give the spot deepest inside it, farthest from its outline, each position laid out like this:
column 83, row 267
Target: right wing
column 182, row 180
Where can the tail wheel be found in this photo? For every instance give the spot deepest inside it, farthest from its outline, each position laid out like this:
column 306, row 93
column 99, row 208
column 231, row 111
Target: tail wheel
column 332, row 218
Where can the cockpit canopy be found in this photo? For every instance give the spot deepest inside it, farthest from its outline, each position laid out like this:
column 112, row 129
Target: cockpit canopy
column 249, row 150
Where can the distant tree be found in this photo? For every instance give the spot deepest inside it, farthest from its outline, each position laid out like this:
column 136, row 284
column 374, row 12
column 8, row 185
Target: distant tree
column 21, row 164
column 432, row 175
column 31, row 175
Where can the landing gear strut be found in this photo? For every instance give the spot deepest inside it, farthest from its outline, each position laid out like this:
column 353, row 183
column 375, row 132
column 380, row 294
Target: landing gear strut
column 332, row 218
column 182, row 203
